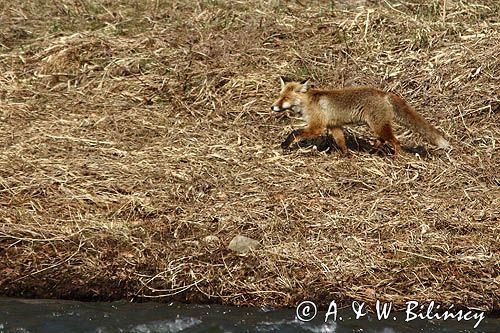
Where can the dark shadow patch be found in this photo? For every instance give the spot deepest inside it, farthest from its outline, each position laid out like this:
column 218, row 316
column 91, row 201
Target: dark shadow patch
column 420, row 150
column 326, row 143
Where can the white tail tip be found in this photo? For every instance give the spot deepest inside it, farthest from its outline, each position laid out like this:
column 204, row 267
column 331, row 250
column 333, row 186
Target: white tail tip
column 443, row 143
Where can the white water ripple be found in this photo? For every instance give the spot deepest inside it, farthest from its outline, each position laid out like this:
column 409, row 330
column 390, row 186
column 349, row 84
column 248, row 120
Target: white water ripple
column 166, row 326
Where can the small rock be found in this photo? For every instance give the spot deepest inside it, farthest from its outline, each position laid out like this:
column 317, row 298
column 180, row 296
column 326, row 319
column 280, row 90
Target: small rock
column 242, row 244
column 211, row 239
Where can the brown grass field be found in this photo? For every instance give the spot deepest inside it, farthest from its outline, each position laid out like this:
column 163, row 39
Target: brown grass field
column 136, row 141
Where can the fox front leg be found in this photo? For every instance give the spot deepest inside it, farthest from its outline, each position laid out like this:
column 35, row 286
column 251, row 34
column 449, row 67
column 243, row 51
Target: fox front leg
column 338, row 135
column 301, row 133
column 291, row 138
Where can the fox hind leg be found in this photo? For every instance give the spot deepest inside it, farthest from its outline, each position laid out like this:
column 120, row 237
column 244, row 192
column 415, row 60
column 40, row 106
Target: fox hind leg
column 385, row 134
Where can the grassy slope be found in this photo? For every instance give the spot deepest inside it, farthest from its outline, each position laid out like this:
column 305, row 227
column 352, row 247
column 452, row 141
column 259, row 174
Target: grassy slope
column 130, row 132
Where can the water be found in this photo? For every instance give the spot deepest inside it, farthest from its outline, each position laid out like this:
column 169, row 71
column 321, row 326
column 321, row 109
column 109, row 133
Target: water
column 54, row 316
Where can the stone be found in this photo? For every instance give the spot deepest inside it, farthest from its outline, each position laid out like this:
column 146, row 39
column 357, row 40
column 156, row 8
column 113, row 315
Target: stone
column 242, row 244
column 211, row 239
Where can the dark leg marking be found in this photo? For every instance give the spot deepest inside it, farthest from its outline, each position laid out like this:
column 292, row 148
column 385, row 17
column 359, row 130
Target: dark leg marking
column 294, row 135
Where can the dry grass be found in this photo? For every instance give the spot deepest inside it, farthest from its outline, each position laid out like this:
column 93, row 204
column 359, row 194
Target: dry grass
column 131, row 131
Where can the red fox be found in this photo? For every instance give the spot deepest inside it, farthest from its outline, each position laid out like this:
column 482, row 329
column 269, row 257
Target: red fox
column 331, row 109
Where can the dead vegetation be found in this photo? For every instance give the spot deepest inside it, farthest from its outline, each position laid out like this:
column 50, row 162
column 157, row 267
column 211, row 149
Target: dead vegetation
column 136, row 142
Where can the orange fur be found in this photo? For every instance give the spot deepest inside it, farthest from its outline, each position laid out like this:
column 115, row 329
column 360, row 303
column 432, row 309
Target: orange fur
column 331, row 109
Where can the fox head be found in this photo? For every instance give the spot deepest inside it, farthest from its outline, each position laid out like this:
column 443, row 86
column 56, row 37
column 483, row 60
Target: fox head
column 290, row 95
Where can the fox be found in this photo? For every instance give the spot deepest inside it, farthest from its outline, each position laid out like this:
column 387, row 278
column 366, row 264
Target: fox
column 331, row 109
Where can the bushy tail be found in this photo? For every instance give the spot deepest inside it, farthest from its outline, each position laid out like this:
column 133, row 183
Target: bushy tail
column 410, row 118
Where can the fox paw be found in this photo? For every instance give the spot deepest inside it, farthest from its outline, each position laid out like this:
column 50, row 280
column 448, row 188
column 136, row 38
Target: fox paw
column 285, row 145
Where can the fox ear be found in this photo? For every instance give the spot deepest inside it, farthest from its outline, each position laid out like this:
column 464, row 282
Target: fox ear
column 304, row 86
column 282, row 82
